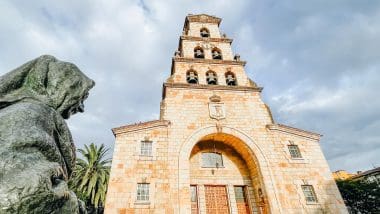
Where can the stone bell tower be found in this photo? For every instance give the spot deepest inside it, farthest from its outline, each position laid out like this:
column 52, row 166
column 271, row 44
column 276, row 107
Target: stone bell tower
column 215, row 147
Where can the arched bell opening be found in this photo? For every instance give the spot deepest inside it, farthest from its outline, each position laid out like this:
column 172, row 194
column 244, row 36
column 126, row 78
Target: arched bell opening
column 211, row 78
column 216, row 53
column 230, row 78
column 204, row 32
column 192, row 77
column 199, row 53
column 224, row 176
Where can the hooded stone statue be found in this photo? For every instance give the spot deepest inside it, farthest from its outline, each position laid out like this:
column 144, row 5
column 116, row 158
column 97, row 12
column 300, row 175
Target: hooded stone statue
column 37, row 154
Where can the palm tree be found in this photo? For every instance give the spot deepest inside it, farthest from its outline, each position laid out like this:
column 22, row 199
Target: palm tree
column 91, row 175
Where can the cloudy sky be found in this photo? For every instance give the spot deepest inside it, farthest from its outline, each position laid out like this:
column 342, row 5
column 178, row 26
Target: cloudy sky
column 318, row 61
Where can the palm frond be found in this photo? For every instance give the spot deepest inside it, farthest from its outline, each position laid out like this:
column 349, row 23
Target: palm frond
column 91, row 174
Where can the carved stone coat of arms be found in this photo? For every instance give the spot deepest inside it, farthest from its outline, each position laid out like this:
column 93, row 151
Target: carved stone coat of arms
column 217, row 110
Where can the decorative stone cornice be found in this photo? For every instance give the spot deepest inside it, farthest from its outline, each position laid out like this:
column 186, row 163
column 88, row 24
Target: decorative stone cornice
column 294, row 131
column 212, row 87
column 140, row 126
column 209, row 61
column 203, row 18
column 206, row 39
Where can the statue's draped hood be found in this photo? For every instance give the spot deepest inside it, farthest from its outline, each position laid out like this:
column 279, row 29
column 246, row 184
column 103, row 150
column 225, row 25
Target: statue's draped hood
column 60, row 85
column 36, row 147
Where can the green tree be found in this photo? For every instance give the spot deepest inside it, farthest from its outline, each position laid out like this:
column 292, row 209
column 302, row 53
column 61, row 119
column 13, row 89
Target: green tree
column 360, row 196
column 90, row 176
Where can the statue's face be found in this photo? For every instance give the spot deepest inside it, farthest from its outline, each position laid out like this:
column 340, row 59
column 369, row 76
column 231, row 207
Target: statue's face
column 77, row 107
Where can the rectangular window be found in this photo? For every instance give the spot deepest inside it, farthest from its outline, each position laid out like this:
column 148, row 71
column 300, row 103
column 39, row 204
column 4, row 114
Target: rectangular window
column 143, row 192
column 146, row 148
column 212, row 159
column 239, row 194
column 194, row 199
column 309, row 193
column 294, row 151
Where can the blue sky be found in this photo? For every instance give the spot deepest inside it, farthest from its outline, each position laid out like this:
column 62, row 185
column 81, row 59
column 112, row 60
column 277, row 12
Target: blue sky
column 318, row 61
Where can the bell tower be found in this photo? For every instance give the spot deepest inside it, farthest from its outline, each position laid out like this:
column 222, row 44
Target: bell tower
column 202, row 46
column 215, row 147
column 205, row 61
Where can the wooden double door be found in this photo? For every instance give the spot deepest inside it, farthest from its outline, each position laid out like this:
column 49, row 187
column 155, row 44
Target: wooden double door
column 217, row 200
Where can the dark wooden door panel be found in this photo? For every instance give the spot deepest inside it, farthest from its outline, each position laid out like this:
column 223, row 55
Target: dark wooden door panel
column 216, row 200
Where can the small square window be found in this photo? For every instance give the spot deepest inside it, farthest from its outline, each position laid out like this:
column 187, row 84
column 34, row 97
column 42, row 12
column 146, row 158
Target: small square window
column 146, row 148
column 212, row 159
column 309, row 193
column 294, row 151
column 142, row 192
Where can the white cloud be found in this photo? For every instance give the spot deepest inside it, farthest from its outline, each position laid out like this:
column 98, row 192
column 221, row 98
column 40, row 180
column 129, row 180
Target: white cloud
column 318, row 61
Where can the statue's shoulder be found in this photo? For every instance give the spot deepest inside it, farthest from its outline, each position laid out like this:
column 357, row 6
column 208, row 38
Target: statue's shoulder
column 29, row 114
column 28, row 109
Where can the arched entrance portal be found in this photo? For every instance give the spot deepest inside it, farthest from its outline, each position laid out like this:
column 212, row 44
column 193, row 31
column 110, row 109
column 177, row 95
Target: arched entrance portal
column 220, row 173
column 220, row 179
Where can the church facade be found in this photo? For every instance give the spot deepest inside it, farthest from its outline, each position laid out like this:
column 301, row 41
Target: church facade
column 215, row 147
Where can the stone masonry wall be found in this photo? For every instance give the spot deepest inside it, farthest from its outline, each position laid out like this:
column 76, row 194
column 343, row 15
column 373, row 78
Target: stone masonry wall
column 311, row 169
column 129, row 168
